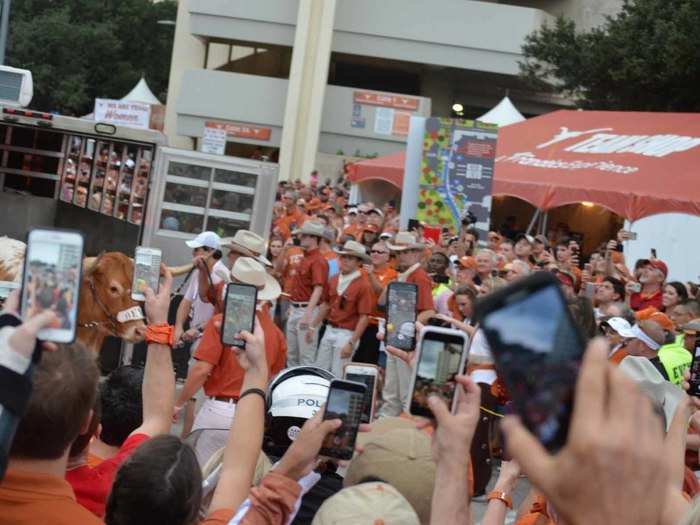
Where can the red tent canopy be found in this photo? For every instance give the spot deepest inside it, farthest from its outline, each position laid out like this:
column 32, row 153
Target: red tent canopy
column 635, row 164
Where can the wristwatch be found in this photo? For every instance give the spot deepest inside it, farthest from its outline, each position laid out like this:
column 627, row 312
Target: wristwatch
column 502, row 496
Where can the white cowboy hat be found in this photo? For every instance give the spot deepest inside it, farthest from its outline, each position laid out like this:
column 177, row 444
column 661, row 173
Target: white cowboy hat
column 247, row 243
column 405, row 241
column 249, row 271
column 355, row 249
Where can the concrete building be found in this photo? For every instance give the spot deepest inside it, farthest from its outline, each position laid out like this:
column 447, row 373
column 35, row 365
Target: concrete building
column 304, row 81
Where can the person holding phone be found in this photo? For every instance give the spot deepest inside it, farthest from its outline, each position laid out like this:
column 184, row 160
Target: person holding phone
column 306, row 293
column 347, row 302
column 649, row 290
column 216, row 368
column 398, row 374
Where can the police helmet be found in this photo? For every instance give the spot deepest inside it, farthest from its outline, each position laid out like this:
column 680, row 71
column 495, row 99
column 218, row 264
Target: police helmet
column 294, row 395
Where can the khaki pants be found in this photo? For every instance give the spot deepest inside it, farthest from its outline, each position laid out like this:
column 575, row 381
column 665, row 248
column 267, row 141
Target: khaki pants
column 328, row 357
column 396, row 383
column 299, row 352
column 213, row 415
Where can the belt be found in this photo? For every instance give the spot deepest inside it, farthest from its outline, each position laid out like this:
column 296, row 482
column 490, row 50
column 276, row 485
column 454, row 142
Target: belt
column 225, row 399
column 299, row 305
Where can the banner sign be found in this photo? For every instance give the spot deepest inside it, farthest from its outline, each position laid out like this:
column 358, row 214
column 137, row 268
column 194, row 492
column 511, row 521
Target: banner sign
column 134, row 114
column 456, row 172
column 213, row 139
column 388, row 101
column 243, row 131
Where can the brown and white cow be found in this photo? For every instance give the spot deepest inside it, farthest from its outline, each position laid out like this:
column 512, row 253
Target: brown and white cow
column 105, row 304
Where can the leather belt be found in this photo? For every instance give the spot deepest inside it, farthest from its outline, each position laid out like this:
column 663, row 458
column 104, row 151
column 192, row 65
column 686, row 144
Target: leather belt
column 225, row 399
column 299, row 305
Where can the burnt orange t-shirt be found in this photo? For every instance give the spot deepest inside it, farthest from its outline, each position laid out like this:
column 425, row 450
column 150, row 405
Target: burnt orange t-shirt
column 384, row 277
column 355, row 230
column 291, row 221
column 226, row 378
column 425, row 290
column 346, row 309
column 293, row 258
column 28, row 498
column 312, row 271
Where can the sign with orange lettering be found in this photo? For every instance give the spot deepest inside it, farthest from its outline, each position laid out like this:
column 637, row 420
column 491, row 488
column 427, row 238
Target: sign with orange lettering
column 243, row 131
column 386, row 100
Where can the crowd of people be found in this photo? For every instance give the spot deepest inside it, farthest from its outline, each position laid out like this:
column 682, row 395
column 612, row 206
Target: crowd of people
column 80, row 450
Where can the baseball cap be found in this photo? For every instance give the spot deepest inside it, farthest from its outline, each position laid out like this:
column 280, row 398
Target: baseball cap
column 377, row 211
column 529, row 238
column 619, row 324
column 402, row 458
column 468, row 262
column 352, row 210
column 205, row 239
column 652, row 314
column 374, row 502
column 657, row 264
column 541, row 239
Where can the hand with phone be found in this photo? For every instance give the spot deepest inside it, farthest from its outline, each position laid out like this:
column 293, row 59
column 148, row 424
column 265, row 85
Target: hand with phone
column 301, row 457
column 613, row 425
column 252, row 356
column 239, row 313
column 401, row 299
column 22, row 339
column 345, row 402
column 157, row 305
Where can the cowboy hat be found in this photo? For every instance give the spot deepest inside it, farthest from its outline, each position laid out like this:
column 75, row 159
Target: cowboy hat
column 354, row 249
column 314, row 228
column 247, row 243
column 405, row 241
column 249, row 271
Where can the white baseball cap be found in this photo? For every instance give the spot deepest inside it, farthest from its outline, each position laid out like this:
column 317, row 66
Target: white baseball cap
column 208, row 239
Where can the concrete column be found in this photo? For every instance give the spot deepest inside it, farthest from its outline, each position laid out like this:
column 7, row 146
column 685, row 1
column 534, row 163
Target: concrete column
column 307, row 85
column 188, row 53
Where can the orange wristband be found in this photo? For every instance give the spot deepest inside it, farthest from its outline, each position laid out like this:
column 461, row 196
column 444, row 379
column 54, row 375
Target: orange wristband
column 161, row 334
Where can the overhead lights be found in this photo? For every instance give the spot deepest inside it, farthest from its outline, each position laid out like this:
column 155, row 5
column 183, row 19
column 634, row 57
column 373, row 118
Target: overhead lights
column 587, row 204
column 457, row 107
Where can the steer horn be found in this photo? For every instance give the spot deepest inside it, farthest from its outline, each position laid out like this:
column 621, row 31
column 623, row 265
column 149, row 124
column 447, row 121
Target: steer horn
column 88, row 263
column 180, row 270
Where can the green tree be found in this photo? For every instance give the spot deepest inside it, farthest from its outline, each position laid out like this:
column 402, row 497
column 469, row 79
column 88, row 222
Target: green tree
column 647, row 58
column 78, row 50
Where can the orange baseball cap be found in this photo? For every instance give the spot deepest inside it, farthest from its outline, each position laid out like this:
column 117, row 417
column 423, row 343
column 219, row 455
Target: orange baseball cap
column 467, row 262
column 660, row 318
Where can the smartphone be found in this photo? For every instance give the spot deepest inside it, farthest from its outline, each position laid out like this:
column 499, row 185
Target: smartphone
column 367, row 375
column 346, row 402
column 538, row 349
column 239, row 313
column 413, row 225
column 51, row 280
column 694, row 381
column 442, row 353
column 653, row 253
column 628, row 235
column 401, row 299
column 6, row 288
column 636, row 287
column 146, row 271
column 589, row 290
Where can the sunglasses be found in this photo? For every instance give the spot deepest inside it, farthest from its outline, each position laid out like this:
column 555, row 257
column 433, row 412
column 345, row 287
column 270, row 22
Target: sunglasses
column 378, row 252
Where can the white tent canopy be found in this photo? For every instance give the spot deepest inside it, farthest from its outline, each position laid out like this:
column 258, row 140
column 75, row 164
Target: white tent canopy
column 142, row 93
column 503, row 114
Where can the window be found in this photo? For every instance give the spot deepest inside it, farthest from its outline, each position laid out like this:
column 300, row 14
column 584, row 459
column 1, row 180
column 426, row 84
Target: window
column 232, row 201
column 186, row 194
column 237, row 178
column 189, row 171
column 181, row 221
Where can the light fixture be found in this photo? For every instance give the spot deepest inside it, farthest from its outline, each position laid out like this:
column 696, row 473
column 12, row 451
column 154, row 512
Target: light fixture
column 587, row 204
column 457, row 107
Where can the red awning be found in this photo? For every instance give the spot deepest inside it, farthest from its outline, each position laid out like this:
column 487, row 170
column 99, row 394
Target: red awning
column 388, row 169
column 635, row 164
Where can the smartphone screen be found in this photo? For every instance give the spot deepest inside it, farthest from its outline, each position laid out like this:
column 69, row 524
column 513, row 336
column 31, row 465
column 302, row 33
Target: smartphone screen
column 694, row 389
column 368, row 379
column 51, row 280
column 345, row 402
column 146, row 271
column 401, row 299
column 441, row 358
column 538, row 351
column 239, row 313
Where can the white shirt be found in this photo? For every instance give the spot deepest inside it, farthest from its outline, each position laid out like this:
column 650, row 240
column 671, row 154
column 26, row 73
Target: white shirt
column 480, row 349
column 201, row 311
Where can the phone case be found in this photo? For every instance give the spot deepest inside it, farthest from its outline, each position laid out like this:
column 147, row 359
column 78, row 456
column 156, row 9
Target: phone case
column 238, row 343
column 393, row 339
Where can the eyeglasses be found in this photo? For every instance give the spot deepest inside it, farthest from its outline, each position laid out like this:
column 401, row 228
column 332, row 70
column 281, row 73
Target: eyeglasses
column 378, row 252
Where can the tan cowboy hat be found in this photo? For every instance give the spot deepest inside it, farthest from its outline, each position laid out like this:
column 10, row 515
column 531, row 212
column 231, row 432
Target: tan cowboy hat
column 315, row 228
column 249, row 271
column 247, row 243
column 405, row 241
column 354, row 249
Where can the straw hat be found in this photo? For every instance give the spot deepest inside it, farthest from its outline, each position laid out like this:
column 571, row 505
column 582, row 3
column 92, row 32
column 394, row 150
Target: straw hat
column 249, row 271
column 247, row 243
column 315, row 228
column 354, row 249
column 405, row 241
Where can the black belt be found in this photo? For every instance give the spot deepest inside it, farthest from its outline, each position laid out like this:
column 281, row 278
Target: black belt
column 299, row 305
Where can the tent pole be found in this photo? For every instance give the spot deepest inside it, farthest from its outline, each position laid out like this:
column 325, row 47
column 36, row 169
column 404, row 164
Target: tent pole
column 532, row 222
column 544, row 223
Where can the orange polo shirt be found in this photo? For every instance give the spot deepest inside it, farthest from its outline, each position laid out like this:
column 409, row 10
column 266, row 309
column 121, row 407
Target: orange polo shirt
column 293, row 258
column 312, row 272
column 226, row 377
column 355, row 230
column 346, row 309
column 28, row 498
